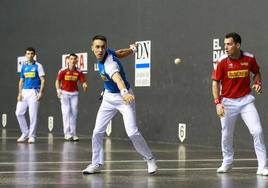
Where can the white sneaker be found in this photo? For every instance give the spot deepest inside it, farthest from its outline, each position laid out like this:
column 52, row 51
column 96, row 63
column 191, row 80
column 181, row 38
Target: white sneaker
column 68, row 137
column 21, row 139
column 263, row 172
column 152, row 167
column 31, row 140
column 92, row 168
column 75, row 138
column 224, row 168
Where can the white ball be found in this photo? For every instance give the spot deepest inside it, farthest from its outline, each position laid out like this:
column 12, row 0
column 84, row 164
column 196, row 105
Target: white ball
column 177, row 61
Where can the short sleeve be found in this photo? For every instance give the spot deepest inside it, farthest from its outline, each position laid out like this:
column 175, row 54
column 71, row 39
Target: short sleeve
column 111, row 68
column 213, row 75
column 22, row 72
column 218, row 73
column 110, row 51
column 82, row 77
column 41, row 71
column 254, row 66
column 60, row 75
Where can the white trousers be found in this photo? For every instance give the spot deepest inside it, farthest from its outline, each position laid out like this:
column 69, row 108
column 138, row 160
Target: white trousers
column 69, row 109
column 111, row 104
column 30, row 101
column 245, row 107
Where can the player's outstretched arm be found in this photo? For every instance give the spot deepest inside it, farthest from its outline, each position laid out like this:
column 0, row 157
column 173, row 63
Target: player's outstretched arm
column 257, row 86
column 42, row 87
column 57, row 86
column 127, row 97
column 216, row 96
column 19, row 98
column 121, row 53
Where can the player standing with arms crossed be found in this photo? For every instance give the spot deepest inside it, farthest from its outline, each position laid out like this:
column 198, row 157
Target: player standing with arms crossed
column 232, row 74
column 31, row 87
column 67, row 92
column 118, row 96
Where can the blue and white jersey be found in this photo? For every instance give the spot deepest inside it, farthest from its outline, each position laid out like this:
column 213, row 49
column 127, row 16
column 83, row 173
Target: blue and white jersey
column 31, row 74
column 107, row 68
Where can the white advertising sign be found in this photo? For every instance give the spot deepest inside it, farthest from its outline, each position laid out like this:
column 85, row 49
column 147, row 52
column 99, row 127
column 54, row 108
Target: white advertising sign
column 217, row 51
column 21, row 61
column 182, row 131
column 143, row 64
column 82, row 61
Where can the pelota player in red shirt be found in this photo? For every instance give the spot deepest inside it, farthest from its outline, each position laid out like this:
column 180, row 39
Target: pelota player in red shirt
column 67, row 92
column 231, row 92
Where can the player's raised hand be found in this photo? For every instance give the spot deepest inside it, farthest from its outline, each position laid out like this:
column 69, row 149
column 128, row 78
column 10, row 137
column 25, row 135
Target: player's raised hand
column 128, row 98
column 19, row 98
column 220, row 110
column 133, row 47
column 257, row 88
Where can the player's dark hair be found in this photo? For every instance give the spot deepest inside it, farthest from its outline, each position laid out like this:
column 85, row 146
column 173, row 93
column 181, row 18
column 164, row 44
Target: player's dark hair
column 31, row 49
column 99, row 37
column 74, row 55
column 236, row 37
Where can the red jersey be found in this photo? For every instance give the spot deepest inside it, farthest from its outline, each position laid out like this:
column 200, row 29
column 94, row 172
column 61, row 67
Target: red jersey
column 234, row 74
column 69, row 79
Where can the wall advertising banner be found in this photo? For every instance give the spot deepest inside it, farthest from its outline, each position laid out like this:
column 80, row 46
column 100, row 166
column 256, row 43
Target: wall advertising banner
column 21, row 60
column 143, row 64
column 82, row 61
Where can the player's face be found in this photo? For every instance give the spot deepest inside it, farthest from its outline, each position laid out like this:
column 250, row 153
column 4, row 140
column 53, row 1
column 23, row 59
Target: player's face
column 99, row 48
column 232, row 49
column 29, row 55
column 72, row 62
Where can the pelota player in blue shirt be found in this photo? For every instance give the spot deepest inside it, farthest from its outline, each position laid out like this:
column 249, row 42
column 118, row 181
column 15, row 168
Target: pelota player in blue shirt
column 31, row 87
column 118, row 96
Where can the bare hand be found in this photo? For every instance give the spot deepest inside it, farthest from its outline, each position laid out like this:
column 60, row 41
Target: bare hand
column 220, row 110
column 257, row 88
column 19, row 98
column 84, row 85
column 133, row 47
column 128, row 98
column 39, row 96
column 59, row 93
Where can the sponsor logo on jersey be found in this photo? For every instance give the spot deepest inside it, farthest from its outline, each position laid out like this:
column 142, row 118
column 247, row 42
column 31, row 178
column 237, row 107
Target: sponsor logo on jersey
column 103, row 77
column 71, row 77
column 230, row 65
column 244, row 63
column 238, row 74
column 29, row 74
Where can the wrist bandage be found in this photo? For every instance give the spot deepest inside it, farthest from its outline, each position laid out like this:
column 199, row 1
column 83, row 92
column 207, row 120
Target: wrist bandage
column 133, row 48
column 217, row 101
column 123, row 91
column 258, row 82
